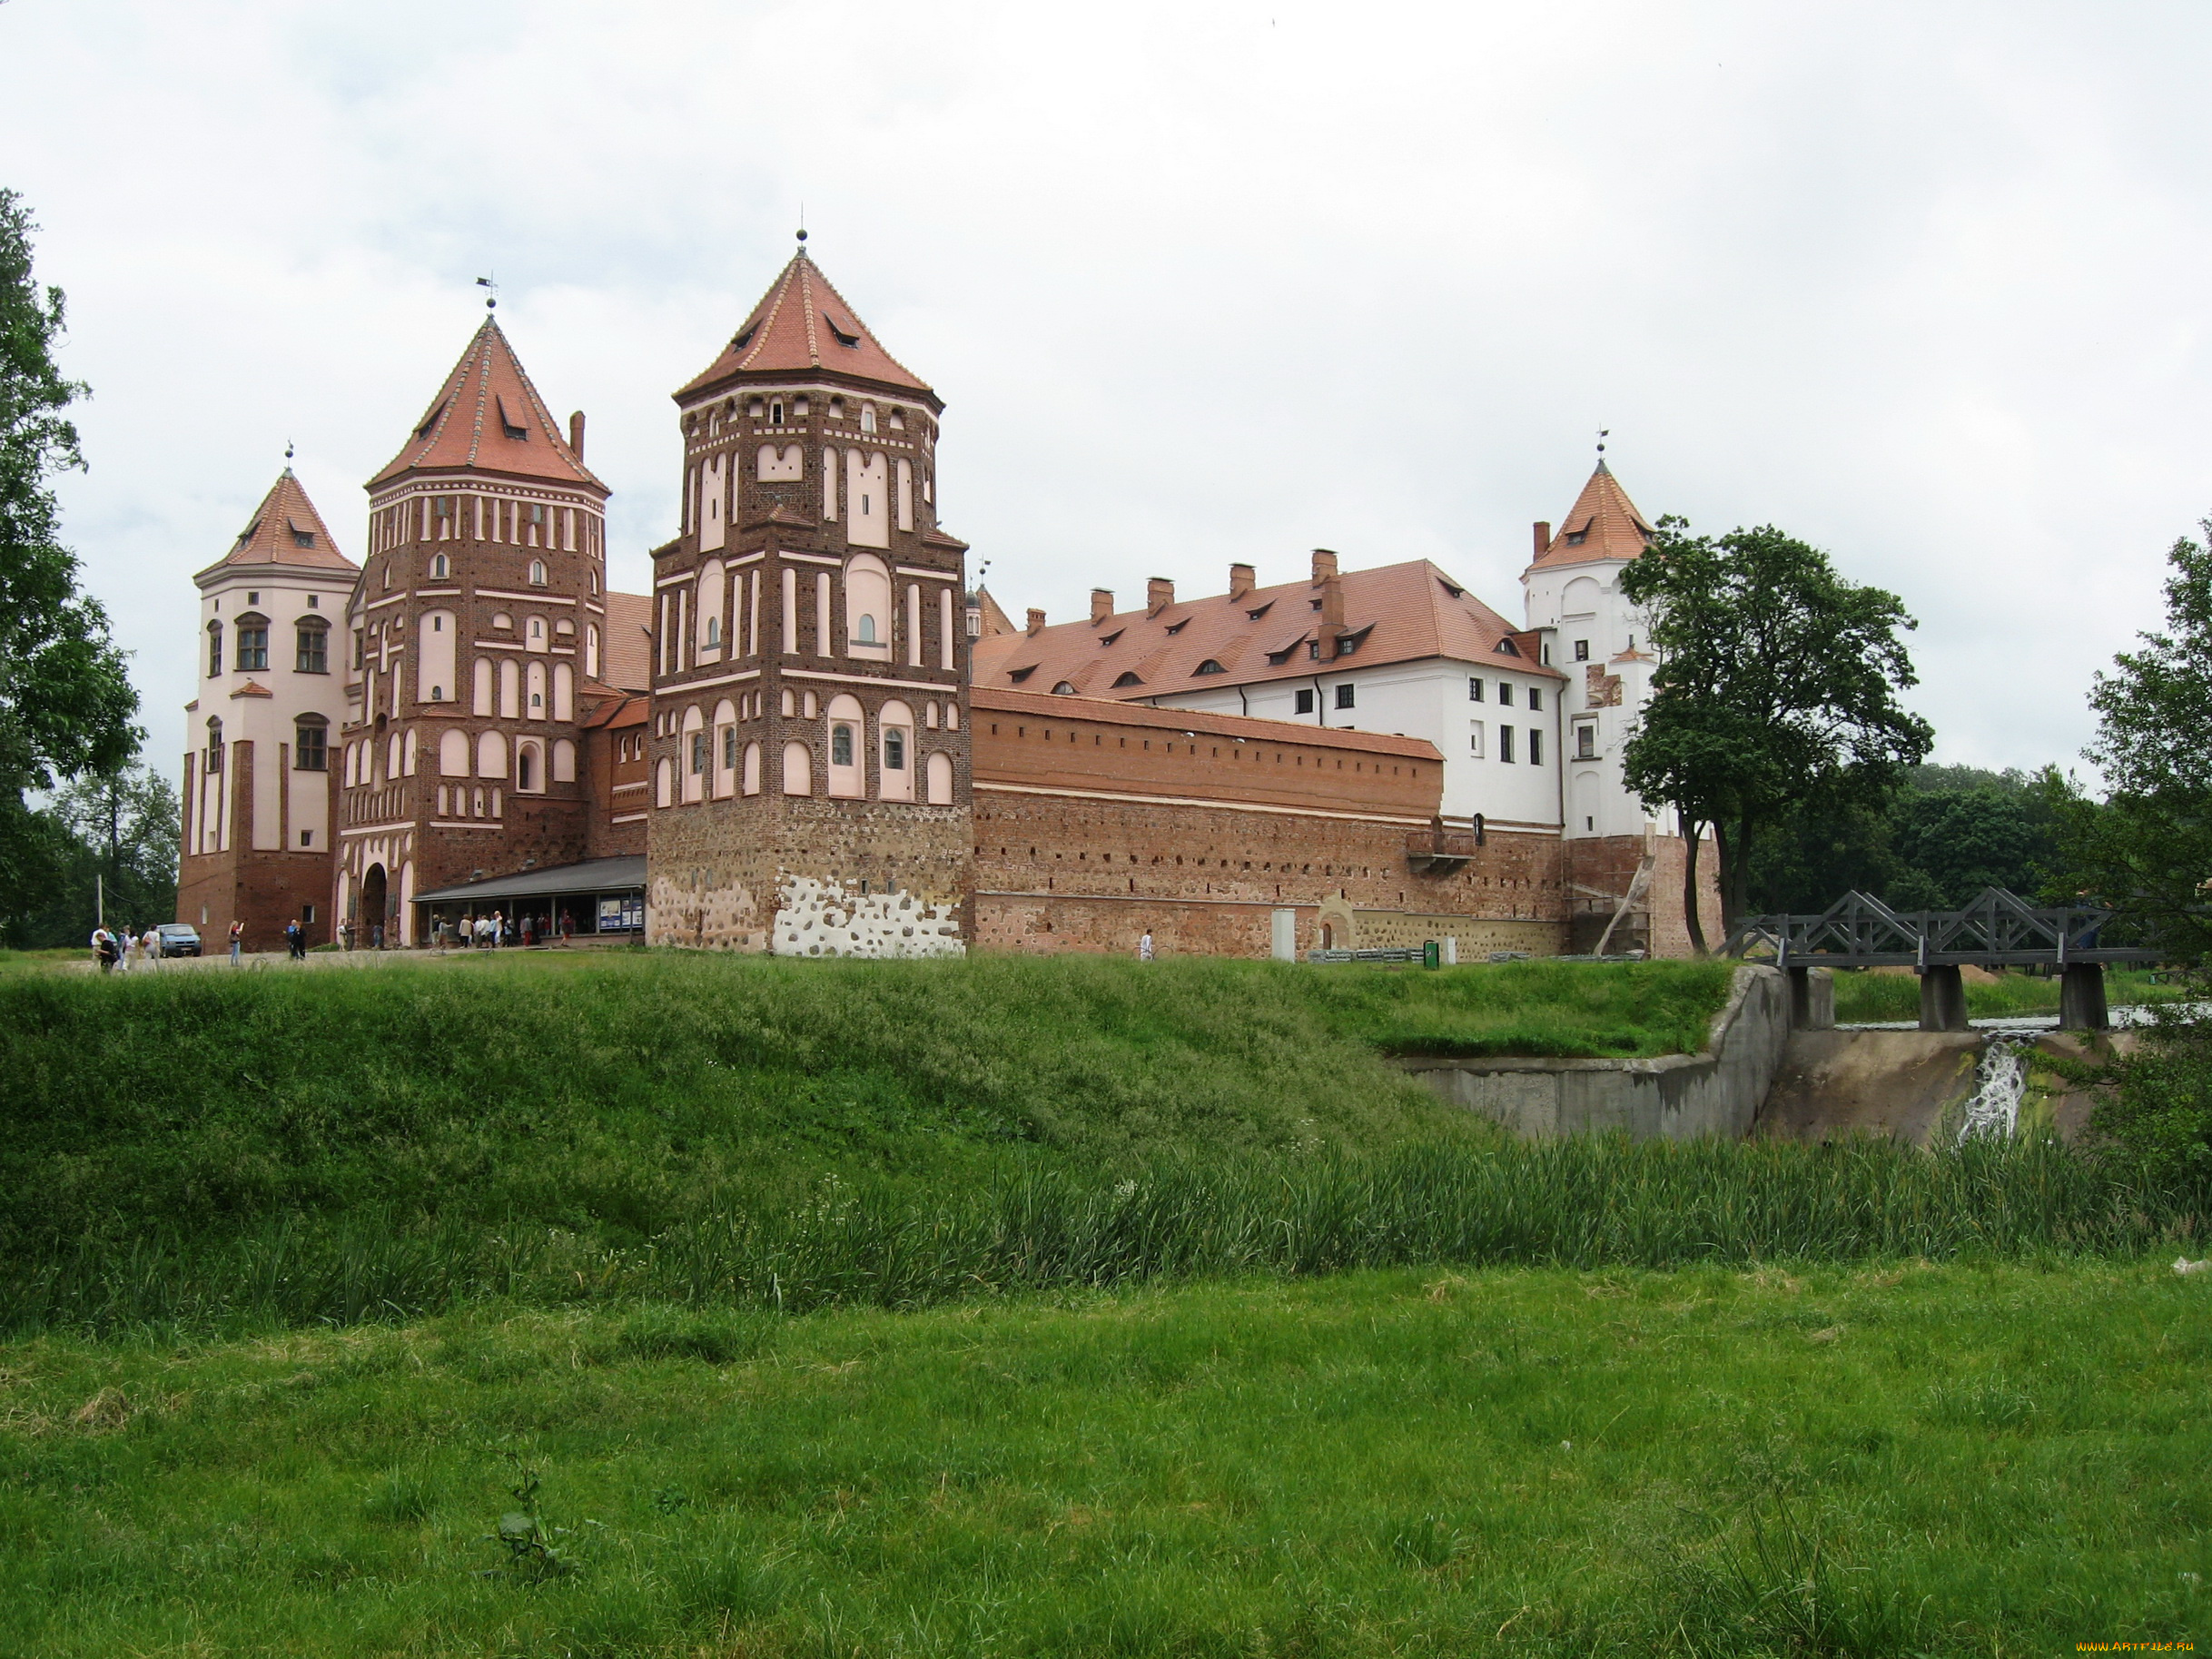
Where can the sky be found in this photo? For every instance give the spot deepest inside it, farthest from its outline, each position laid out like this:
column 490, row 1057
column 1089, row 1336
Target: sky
column 1200, row 282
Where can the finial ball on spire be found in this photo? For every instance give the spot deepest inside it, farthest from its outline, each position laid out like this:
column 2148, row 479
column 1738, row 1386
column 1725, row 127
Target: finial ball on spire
column 802, row 236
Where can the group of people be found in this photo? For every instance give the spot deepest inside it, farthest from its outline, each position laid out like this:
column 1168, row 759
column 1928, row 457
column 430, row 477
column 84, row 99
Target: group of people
column 475, row 933
column 115, row 952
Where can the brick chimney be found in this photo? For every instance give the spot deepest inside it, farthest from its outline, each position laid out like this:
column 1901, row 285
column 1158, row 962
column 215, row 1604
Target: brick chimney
column 1158, row 594
column 1242, row 580
column 1332, row 607
column 575, row 434
column 1324, row 565
column 1544, row 538
column 1036, row 620
column 1101, row 603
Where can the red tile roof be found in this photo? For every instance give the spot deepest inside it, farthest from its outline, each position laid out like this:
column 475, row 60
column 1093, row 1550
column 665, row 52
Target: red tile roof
column 1190, row 720
column 285, row 529
column 626, row 661
column 615, row 709
column 1397, row 612
column 1603, row 523
column 803, row 326
column 488, row 418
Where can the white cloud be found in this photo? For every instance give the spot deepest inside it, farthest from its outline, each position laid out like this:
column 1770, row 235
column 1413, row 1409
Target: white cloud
column 1200, row 282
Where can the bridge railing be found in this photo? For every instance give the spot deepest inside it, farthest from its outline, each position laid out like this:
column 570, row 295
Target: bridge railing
column 1997, row 929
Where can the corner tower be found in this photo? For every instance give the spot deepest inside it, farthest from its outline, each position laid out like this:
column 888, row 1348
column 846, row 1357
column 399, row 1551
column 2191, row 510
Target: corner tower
column 257, row 840
column 810, row 733
column 475, row 635
column 1624, row 863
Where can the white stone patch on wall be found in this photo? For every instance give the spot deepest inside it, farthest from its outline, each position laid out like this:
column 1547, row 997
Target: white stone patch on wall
column 820, row 918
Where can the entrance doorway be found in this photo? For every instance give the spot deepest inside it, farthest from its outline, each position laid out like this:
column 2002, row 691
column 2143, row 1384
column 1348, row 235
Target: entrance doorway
column 372, row 907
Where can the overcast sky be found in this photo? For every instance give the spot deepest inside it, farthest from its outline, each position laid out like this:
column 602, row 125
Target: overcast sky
column 1923, row 283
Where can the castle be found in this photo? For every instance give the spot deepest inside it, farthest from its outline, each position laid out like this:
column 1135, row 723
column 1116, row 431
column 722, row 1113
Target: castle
column 812, row 738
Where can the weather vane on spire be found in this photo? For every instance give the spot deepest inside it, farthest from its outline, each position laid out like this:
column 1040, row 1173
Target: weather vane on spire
column 802, row 227
column 288, row 455
column 491, row 300
column 1602, row 432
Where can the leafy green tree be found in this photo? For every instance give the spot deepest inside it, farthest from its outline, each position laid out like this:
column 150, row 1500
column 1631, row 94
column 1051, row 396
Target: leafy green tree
column 107, row 833
column 66, row 703
column 1777, row 684
column 2146, row 849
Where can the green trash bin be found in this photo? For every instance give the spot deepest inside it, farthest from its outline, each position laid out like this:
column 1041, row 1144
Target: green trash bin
column 1432, row 954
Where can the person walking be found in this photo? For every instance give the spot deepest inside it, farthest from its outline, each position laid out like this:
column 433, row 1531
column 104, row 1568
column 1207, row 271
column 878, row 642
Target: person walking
column 238, row 937
column 1144, row 946
column 295, row 940
column 568, row 929
column 127, row 942
column 151, row 945
column 529, row 931
column 103, row 948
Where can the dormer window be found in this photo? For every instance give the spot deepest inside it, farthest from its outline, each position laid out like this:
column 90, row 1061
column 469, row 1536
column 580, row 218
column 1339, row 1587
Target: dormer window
column 1177, row 628
column 1576, row 538
column 744, row 337
column 1126, row 680
column 1209, row 667
column 1018, row 675
column 1063, row 689
column 430, row 420
column 1110, row 639
column 1506, row 647
column 844, row 336
column 1456, row 593
column 1254, row 616
column 511, row 417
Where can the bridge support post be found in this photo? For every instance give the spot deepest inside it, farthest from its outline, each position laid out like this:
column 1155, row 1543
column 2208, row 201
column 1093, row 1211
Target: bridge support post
column 1942, row 1000
column 1813, row 1000
column 2082, row 998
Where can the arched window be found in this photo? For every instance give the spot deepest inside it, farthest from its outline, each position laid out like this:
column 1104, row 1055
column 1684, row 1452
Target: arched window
column 663, row 780
column 310, row 744
column 537, row 633
column 482, row 706
column 798, row 769
column 726, row 748
column 940, row 779
column 527, row 768
column 714, row 633
column 867, row 605
column 564, row 692
column 894, row 776
column 752, row 768
column 311, row 643
column 253, row 645
column 695, row 754
column 564, row 761
column 491, row 755
column 214, row 746
column 846, row 732
column 453, row 753
column 867, row 417
column 440, row 567
column 841, row 745
column 591, row 651
column 214, row 650
column 538, row 573
column 434, row 678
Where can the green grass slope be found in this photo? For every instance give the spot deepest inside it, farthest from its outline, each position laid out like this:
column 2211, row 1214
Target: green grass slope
column 1953, row 1461
column 617, row 1092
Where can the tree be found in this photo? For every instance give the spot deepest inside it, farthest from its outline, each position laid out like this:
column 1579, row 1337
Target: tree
column 2146, row 849
column 1777, row 686
column 65, row 703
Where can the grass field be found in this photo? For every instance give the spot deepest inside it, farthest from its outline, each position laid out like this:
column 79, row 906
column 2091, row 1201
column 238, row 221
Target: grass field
column 1996, row 1461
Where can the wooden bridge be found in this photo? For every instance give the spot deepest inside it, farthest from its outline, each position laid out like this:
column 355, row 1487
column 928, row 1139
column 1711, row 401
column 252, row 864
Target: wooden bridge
column 1997, row 930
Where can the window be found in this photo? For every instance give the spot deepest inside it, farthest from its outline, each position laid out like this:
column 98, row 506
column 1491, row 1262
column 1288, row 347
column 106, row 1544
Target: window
column 214, row 746
column 698, row 750
column 526, row 767
column 440, row 567
column 1536, row 747
column 1475, row 739
column 1130, row 679
column 1305, row 702
column 357, row 650
column 538, row 573
column 729, row 747
column 1505, row 693
column 1208, row 666
column 306, row 839
column 1504, row 743
column 865, row 634
column 313, row 643
column 1582, row 650
column 253, row 644
column 841, row 745
column 1535, row 696
column 310, row 744
column 214, row 650
column 1344, row 696
column 775, row 412
column 895, row 749
column 1586, row 741
column 714, row 632
column 867, row 411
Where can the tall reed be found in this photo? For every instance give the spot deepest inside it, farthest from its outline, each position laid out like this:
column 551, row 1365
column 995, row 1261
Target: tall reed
column 1582, row 1203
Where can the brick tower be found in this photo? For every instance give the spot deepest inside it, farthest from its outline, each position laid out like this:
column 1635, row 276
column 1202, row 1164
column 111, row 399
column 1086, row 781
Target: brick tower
column 810, row 738
column 475, row 640
column 257, row 840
